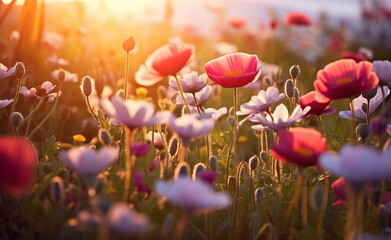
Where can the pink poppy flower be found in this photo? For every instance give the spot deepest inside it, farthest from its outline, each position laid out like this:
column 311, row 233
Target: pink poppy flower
column 165, row 61
column 297, row 19
column 56, row 61
column 18, row 161
column 5, row 72
column 233, row 70
column 344, row 78
column 358, row 57
column 6, row 102
column 40, row 92
column 339, row 188
column 301, row 146
column 237, row 22
column 317, row 108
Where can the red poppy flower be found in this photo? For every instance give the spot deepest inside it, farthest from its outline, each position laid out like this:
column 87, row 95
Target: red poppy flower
column 358, row 57
column 298, row 19
column 166, row 60
column 301, row 146
column 317, row 108
column 237, row 22
column 344, row 78
column 18, row 161
column 233, row 70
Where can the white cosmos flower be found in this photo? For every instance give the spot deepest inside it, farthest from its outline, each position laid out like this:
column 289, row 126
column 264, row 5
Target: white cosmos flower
column 5, row 72
column 134, row 114
column 125, row 220
column 89, row 162
column 280, row 118
column 201, row 97
column 192, row 195
column 260, row 102
column 190, row 83
column 188, row 126
column 359, row 114
column 5, row 102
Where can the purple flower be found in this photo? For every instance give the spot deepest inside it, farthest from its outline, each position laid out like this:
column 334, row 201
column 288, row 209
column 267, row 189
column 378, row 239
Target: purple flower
column 138, row 181
column 201, row 97
column 140, row 148
column 6, row 102
column 40, row 92
column 189, row 126
column 208, row 176
column 209, row 112
column 5, row 72
column 383, row 71
column 191, row 82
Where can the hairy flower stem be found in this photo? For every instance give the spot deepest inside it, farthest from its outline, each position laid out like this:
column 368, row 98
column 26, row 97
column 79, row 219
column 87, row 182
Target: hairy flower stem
column 48, row 115
column 355, row 204
column 129, row 162
column 178, row 233
column 252, row 196
column 182, row 95
column 304, row 202
column 321, row 125
column 238, row 177
column 165, row 170
column 353, row 120
column 96, row 118
column 30, row 114
column 126, row 76
column 323, row 208
column 367, row 111
column 17, row 93
column 296, row 195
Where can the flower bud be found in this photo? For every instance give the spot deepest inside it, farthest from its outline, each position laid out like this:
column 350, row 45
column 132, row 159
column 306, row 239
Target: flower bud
column 370, row 94
column 231, row 185
column 16, row 118
column 61, row 75
column 268, row 81
column 20, row 70
column 182, row 170
column 259, row 195
column 364, row 107
column 57, row 190
column 128, row 44
column 317, row 196
column 289, row 88
column 294, row 71
column 253, row 162
column 104, row 137
column 297, row 96
column 231, row 112
column 378, row 126
column 213, row 163
column 120, row 93
column 198, row 168
column 173, row 146
column 263, row 157
column 363, row 131
column 231, row 121
column 86, row 86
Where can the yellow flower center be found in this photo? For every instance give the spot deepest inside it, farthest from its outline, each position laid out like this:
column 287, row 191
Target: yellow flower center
column 344, row 81
column 234, row 73
column 79, row 138
column 306, row 152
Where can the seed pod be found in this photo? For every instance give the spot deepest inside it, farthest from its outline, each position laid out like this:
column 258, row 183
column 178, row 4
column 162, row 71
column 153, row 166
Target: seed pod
column 259, row 195
column 253, row 162
column 317, row 196
column 61, row 75
column 104, row 136
column 289, row 88
column 370, row 94
column 86, row 86
column 213, row 163
column 363, row 131
column 294, row 71
column 173, row 146
column 198, row 168
column 16, row 118
column 20, row 70
column 182, row 170
column 57, row 190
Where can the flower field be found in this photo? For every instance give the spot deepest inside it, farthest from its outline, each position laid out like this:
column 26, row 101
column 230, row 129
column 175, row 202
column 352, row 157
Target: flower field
column 119, row 127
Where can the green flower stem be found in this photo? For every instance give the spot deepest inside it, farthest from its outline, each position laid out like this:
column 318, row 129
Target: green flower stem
column 96, row 118
column 165, row 150
column 48, row 115
column 16, row 98
column 31, row 113
column 129, row 161
column 181, row 92
column 197, row 104
column 304, row 202
column 323, row 208
column 252, row 196
column 321, row 125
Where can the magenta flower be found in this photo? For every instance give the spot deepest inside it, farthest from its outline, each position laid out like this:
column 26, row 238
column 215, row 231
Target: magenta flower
column 191, row 82
column 189, row 126
column 40, row 92
column 5, row 72
column 383, row 71
column 140, row 148
column 138, row 181
column 208, row 177
column 134, row 114
column 317, row 108
column 233, row 70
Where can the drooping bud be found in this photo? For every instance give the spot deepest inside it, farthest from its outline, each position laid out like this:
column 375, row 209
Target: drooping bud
column 20, row 70
column 16, row 118
column 317, row 196
column 289, row 88
column 198, row 168
column 363, row 131
column 231, row 121
column 294, row 71
column 213, row 163
column 370, row 94
column 61, row 75
column 259, row 195
column 254, row 161
column 182, row 170
column 128, row 44
column 86, row 86
column 378, row 126
column 173, row 146
column 57, row 190
column 104, row 136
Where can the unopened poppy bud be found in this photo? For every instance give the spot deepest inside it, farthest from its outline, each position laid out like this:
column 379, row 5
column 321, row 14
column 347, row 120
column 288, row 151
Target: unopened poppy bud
column 198, row 168
column 104, row 136
column 263, row 156
column 213, row 163
column 363, row 131
column 289, row 88
column 16, row 118
column 231, row 121
column 128, row 44
column 231, row 185
column 268, row 81
column 182, row 170
column 173, row 146
column 294, row 71
column 297, row 96
column 259, row 195
column 120, row 93
column 378, row 126
column 61, row 75
column 317, row 197
column 20, row 70
column 370, row 94
column 57, row 190
column 364, row 107
column 231, row 111
column 253, row 162
column 86, row 86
